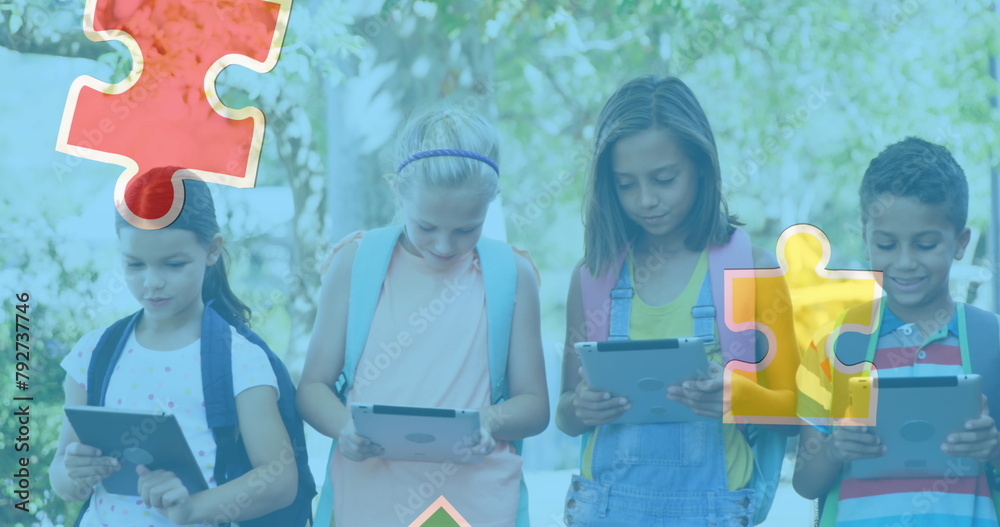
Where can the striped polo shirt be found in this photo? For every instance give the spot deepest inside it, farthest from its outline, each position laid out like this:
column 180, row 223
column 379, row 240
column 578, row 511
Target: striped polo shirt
column 902, row 351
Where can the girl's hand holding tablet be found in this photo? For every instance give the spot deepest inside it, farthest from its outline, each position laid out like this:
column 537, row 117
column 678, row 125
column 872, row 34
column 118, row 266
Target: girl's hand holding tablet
column 354, row 446
column 87, row 467
column 702, row 396
column 163, row 491
column 597, row 408
column 484, row 442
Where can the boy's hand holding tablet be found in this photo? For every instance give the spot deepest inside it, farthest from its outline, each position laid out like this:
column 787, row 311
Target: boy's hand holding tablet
column 918, row 420
column 979, row 440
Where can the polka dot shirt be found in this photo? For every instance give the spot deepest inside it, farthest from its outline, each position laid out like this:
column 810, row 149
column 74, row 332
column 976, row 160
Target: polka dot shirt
column 166, row 381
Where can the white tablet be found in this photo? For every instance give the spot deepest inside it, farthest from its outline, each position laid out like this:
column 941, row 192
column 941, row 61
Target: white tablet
column 641, row 371
column 419, row 434
column 913, row 417
column 133, row 437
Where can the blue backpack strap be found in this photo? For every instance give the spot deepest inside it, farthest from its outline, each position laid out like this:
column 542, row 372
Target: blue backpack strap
column 217, row 372
column 496, row 259
column 106, row 353
column 499, row 269
column 299, row 513
column 621, row 305
column 217, row 388
column 231, row 458
column 367, row 274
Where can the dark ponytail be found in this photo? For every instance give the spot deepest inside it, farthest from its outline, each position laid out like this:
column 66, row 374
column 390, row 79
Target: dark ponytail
column 197, row 216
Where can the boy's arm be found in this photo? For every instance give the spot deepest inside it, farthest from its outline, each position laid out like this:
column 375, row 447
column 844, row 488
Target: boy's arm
column 823, row 451
column 816, row 469
column 526, row 412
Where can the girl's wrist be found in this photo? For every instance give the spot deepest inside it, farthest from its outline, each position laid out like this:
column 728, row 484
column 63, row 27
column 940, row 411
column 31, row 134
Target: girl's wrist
column 204, row 510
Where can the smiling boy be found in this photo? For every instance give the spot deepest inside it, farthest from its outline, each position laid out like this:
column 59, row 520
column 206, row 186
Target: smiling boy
column 914, row 203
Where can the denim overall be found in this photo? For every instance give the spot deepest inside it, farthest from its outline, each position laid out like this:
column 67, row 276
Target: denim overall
column 661, row 474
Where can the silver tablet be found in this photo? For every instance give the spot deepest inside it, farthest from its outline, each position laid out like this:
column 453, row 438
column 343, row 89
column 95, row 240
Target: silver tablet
column 641, row 371
column 152, row 439
column 419, row 434
column 913, row 417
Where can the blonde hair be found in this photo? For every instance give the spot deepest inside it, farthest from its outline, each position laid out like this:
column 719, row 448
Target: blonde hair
column 448, row 127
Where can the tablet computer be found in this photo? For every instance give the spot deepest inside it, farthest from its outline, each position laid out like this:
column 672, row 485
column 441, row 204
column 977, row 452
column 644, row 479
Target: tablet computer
column 641, row 371
column 419, row 434
column 913, row 416
column 133, row 437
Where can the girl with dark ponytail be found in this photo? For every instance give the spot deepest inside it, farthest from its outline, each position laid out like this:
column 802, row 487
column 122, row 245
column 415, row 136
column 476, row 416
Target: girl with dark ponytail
column 178, row 275
column 197, row 216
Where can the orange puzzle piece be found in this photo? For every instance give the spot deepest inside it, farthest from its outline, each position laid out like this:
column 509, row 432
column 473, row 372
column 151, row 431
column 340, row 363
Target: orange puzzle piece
column 167, row 112
column 818, row 297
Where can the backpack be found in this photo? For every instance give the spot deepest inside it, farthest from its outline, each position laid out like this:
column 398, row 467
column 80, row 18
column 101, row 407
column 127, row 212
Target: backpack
column 978, row 336
column 231, row 459
column 607, row 303
column 496, row 259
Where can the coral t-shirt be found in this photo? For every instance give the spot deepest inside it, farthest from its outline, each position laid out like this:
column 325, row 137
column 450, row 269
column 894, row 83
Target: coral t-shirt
column 444, row 364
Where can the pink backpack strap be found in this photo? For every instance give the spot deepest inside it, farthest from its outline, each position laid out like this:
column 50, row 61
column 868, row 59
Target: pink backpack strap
column 596, row 293
column 737, row 254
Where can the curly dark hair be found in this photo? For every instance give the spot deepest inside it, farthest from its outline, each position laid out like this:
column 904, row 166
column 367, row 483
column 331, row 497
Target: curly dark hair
column 916, row 168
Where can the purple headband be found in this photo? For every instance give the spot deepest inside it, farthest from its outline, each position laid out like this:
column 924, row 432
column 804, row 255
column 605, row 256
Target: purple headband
column 448, row 152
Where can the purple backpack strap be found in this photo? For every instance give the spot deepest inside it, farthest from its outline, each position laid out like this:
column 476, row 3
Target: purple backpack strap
column 737, row 254
column 596, row 292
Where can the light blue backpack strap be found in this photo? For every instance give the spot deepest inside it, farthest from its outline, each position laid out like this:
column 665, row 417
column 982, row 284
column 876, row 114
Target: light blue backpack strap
column 324, row 510
column 367, row 274
column 496, row 259
column 621, row 305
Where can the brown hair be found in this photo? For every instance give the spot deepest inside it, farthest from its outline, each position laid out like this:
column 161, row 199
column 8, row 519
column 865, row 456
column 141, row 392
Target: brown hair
column 197, row 216
column 642, row 104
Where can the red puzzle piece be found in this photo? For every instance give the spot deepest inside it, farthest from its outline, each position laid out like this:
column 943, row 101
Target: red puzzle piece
column 167, row 112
